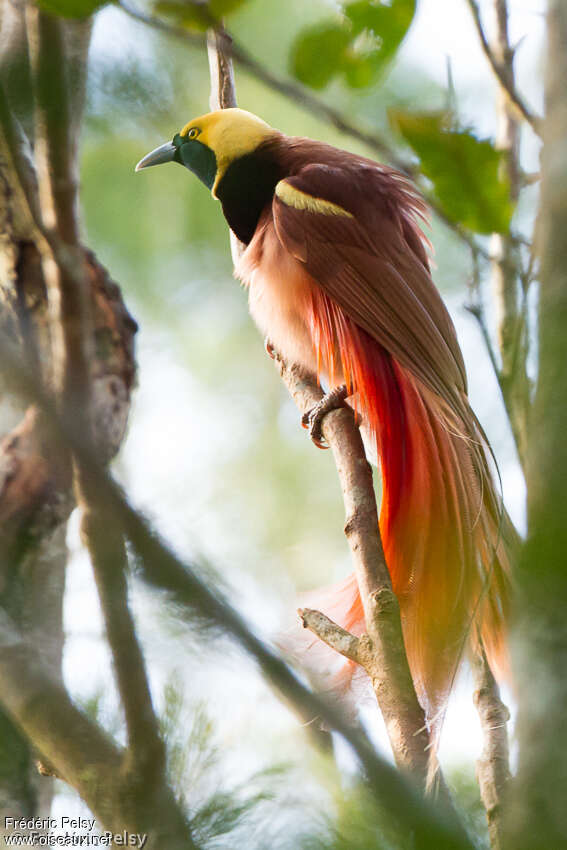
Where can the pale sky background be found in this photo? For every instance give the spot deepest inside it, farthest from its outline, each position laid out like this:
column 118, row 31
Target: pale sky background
column 246, row 714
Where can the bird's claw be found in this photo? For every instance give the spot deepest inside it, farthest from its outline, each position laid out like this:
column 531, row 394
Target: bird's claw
column 313, row 419
column 270, row 350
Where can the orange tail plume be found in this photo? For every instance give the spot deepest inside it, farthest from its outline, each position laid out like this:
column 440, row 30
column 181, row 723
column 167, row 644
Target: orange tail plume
column 441, row 519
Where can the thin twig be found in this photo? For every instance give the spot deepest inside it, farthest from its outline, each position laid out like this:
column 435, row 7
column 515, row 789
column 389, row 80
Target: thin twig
column 510, row 367
column 475, row 308
column 493, row 767
column 335, row 636
column 501, row 72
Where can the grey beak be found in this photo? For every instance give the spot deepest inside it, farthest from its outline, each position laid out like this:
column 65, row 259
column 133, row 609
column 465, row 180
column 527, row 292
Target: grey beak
column 165, row 153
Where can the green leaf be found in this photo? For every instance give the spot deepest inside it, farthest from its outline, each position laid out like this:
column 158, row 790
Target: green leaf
column 359, row 45
column 390, row 21
column 386, row 24
column 196, row 14
column 318, row 53
column 71, row 8
column 220, row 8
column 361, row 68
column 466, row 172
column 193, row 16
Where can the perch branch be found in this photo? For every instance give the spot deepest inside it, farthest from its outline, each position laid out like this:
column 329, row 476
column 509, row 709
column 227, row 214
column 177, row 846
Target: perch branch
column 384, row 658
column 383, row 654
column 493, row 767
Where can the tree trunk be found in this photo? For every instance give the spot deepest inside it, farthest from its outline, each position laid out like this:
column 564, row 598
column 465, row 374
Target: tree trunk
column 538, row 816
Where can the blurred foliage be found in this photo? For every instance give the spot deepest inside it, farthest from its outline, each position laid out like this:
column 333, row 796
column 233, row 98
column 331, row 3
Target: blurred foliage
column 71, row 8
column 196, row 14
column 221, row 813
column 464, row 788
column 357, row 44
column 466, row 172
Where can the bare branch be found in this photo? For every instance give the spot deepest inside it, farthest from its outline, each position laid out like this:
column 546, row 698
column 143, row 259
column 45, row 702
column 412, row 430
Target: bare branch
column 505, row 257
column 476, row 309
column 500, row 69
column 334, row 635
column 493, row 767
column 384, row 656
column 223, row 87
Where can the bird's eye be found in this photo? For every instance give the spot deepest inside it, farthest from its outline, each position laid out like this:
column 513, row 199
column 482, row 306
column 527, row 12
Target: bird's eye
column 193, row 133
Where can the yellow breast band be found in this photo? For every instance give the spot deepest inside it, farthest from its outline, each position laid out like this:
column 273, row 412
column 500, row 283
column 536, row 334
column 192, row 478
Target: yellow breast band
column 302, row 201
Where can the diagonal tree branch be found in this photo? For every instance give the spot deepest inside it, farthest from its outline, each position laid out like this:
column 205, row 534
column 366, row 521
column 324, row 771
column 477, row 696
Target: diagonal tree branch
column 500, row 67
column 384, row 659
column 70, row 318
column 381, row 652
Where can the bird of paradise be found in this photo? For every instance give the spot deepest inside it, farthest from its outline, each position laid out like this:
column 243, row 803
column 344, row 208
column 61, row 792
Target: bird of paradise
column 338, row 280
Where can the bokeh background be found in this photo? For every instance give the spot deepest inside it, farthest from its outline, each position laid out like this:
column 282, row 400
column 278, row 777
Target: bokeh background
column 215, row 454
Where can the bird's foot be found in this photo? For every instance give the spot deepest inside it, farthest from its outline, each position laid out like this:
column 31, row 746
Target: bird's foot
column 313, row 419
column 270, row 350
